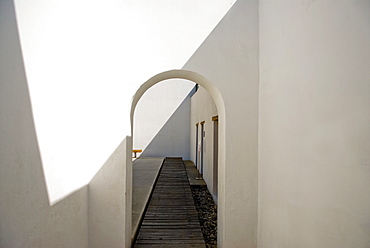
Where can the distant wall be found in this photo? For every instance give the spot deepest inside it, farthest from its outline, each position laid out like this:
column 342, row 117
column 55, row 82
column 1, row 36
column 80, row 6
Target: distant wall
column 26, row 218
column 314, row 131
column 172, row 140
column 161, row 124
column 203, row 109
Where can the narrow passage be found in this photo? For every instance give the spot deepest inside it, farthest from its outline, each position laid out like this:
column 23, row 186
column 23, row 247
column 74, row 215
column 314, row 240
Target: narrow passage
column 171, row 219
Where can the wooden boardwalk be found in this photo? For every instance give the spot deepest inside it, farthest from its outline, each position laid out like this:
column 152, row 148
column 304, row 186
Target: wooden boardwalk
column 171, row 219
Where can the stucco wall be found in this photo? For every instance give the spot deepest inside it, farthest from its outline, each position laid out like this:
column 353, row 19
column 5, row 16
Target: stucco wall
column 82, row 72
column 162, row 116
column 172, row 140
column 109, row 208
column 26, row 218
column 203, row 109
column 229, row 59
column 314, row 131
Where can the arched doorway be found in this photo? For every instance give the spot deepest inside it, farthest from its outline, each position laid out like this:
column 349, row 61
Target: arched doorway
column 218, row 100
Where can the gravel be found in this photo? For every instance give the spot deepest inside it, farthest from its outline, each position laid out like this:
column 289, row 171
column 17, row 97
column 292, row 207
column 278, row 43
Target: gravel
column 207, row 214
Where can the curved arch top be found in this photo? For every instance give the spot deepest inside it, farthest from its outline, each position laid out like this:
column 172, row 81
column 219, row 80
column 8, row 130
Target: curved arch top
column 181, row 74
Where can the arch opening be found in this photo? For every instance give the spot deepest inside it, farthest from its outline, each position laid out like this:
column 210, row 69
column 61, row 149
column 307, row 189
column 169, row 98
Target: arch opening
column 218, row 100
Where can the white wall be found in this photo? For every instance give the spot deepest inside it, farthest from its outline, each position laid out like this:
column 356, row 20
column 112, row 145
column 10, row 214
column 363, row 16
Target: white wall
column 314, row 132
column 161, row 120
column 26, row 218
column 203, row 108
column 229, row 59
column 85, row 59
column 109, row 211
column 172, row 140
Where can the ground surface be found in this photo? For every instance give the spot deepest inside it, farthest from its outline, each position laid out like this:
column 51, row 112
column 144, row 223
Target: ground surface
column 207, row 214
column 171, row 219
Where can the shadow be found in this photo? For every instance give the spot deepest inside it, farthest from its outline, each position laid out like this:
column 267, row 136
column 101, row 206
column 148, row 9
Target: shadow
column 173, row 139
column 211, row 33
column 27, row 219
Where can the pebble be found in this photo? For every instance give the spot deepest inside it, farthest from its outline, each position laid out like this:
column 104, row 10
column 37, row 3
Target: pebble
column 207, row 214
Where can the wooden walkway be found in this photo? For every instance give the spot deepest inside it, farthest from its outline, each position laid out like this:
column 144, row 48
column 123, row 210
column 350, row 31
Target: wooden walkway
column 171, row 219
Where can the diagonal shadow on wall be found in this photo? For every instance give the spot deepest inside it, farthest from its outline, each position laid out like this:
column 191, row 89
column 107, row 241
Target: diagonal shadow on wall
column 27, row 219
column 173, row 139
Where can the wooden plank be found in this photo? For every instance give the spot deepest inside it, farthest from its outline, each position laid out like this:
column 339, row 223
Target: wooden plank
column 171, row 219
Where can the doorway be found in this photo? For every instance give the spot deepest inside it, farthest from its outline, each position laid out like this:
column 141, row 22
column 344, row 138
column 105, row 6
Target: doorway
column 196, row 145
column 215, row 158
column 202, row 134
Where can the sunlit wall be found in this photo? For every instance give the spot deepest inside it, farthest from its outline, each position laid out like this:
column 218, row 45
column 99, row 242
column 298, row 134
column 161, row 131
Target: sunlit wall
column 84, row 61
